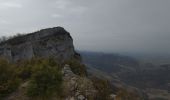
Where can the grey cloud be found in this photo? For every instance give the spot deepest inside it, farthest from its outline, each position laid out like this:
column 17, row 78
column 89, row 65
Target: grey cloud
column 9, row 4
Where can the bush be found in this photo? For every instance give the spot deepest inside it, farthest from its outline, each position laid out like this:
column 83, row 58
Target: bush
column 44, row 76
column 24, row 71
column 46, row 79
column 26, row 68
column 103, row 87
column 8, row 79
column 77, row 67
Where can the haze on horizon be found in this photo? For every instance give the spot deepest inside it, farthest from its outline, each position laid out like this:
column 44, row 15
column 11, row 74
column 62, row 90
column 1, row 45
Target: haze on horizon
column 95, row 25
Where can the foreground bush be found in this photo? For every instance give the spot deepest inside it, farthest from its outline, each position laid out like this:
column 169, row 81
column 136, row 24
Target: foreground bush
column 103, row 87
column 46, row 79
column 77, row 67
column 44, row 76
column 8, row 78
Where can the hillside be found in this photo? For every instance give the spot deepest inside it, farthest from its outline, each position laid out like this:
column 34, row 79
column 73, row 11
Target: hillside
column 45, row 66
column 151, row 78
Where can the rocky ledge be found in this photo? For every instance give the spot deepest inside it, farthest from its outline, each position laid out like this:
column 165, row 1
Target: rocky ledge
column 76, row 87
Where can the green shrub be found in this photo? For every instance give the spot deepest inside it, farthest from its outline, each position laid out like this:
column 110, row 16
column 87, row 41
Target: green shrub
column 44, row 76
column 77, row 67
column 8, row 79
column 46, row 79
column 103, row 87
column 24, row 72
column 26, row 68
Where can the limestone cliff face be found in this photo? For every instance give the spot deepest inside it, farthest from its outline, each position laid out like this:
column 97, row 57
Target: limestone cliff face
column 52, row 42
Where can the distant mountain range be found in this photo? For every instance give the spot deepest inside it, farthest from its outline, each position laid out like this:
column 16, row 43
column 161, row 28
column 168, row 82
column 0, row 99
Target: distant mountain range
column 147, row 76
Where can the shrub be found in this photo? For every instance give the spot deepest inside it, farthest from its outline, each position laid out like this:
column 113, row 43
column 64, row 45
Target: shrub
column 24, row 71
column 46, row 79
column 77, row 67
column 26, row 68
column 8, row 79
column 103, row 87
column 44, row 75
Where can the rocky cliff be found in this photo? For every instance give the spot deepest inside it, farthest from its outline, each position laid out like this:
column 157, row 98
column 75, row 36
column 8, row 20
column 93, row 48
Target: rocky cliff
column 52, row 42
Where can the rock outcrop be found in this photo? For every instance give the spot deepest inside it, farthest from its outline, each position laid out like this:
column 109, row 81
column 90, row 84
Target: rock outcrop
column 76, row 87
column 52, row 42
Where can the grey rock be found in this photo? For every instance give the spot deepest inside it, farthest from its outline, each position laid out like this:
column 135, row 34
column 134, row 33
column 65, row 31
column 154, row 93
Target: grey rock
column 52, row 42
column 112, row 96
column 77, row 93
column 78, row 87
column 81, row 97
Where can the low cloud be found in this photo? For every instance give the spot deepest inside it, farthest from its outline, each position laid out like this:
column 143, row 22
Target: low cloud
column 6, row 5
column 56, row 16
column 62, row 4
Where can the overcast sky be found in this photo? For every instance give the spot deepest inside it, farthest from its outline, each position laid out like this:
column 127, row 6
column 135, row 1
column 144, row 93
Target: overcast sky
column 97, row 25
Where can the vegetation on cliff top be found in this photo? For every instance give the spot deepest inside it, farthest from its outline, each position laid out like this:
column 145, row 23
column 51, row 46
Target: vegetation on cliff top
column 43, row 75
